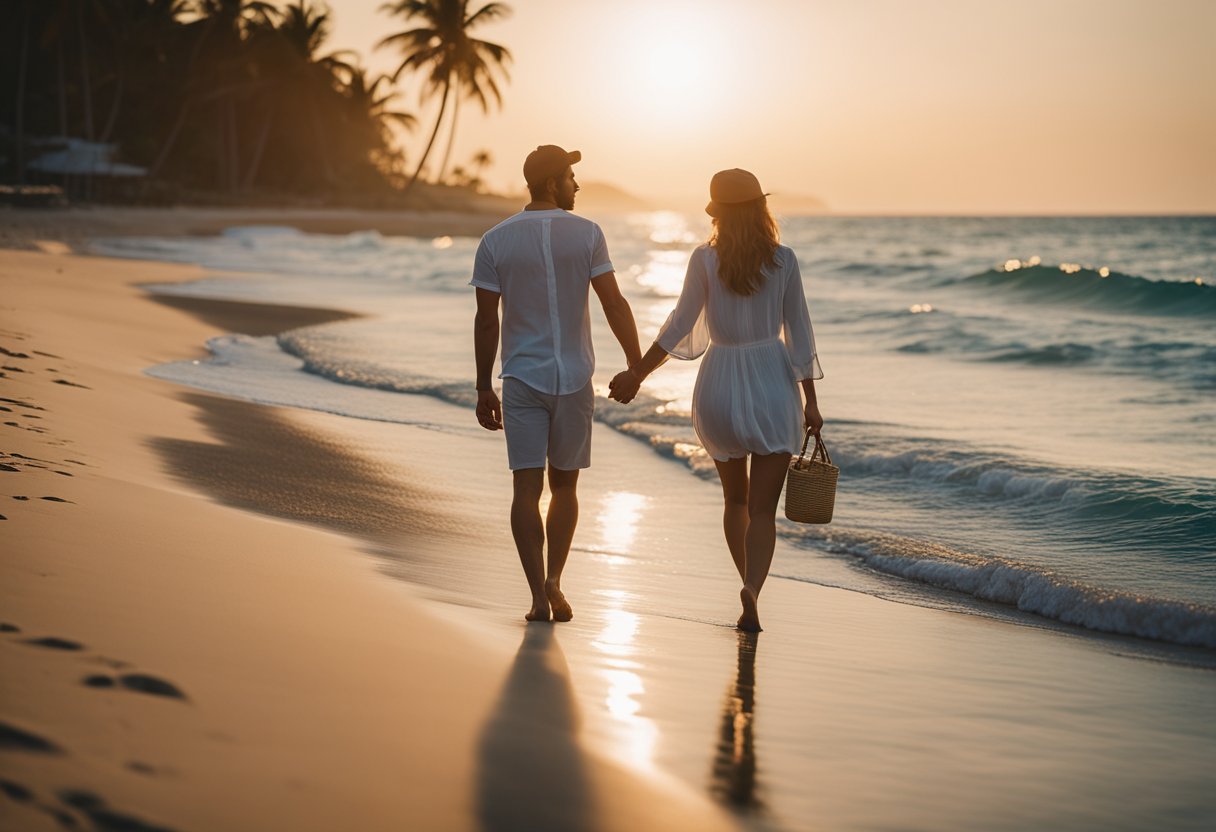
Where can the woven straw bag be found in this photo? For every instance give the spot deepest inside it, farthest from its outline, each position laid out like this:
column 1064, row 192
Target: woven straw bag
column 810, row 486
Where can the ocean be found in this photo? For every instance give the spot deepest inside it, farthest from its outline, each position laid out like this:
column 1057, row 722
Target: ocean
column 1023, row 409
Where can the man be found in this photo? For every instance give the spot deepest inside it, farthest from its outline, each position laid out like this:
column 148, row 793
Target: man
column 539, row 264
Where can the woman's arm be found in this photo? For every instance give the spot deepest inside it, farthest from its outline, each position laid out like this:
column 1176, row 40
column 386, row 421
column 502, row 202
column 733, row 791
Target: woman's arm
column 626, row 383
column 810, row 412
column 683, row 321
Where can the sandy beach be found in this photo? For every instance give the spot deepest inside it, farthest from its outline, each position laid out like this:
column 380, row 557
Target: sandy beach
column 176, row 662
column 221, row 615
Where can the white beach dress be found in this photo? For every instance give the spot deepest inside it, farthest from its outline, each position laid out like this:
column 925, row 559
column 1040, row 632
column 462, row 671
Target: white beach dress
column 757, row 348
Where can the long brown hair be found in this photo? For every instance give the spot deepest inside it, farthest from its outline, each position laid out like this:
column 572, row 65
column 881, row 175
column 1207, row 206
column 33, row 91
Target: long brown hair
column 745, row 236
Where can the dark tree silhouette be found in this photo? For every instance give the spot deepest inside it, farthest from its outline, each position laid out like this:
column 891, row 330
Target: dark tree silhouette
column 456, row 65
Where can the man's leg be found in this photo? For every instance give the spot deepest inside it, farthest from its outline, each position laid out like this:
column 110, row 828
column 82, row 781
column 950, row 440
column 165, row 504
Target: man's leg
column 569, row 452
column 559, row 530
column 529, row 536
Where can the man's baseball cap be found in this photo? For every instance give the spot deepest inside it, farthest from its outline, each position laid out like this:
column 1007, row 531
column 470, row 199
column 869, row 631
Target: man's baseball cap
column 730, row 187
column 546, row 161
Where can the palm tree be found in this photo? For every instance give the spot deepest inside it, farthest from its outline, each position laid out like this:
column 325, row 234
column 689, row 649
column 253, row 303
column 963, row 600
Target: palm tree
column 366, row 100
column 453, row 60
column 482, row 160
column 370, row 124
column 290, row 48
column 217, row 47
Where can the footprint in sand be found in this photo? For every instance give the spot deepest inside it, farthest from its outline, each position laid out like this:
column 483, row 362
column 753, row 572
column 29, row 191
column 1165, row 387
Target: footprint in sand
column 67, row 383
column 55, row 499
column 20, row 498
column 5, row 627
column 4, row 466
column 16, row 792
column 138, row 682
column 20, row 403
column 147, row 769
column 13, row 738
column 55, row 643
column 105, row 817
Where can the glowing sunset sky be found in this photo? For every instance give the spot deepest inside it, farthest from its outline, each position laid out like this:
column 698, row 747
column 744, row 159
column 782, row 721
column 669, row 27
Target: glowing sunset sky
column 941, row 106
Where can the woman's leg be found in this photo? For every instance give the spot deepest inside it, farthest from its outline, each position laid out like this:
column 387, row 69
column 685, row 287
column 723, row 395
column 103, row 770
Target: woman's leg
column 733, row 474
column 767, row 477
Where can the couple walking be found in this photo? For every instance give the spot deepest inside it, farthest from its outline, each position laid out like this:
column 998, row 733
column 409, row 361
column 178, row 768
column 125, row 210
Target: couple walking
column 742, row 305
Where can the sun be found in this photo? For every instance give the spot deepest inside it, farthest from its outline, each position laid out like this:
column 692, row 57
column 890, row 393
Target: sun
column 674, row 72
column 668, row 72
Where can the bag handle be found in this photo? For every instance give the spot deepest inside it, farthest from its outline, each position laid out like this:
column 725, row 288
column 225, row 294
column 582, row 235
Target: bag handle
column 820, row 451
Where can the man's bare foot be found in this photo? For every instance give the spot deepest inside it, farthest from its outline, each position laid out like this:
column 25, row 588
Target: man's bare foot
column 561, row 607
column 749, row 621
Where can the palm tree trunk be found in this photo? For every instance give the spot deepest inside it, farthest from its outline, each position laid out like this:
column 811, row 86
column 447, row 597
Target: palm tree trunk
column 221, row 145
column 63, row 91
column 112, row 120
column 447, row 86
column 318, row 130
column 87, row 91
column 255, row 163
column 447, row 156
column 25, row 51
column 163, row 156
column 234, row 149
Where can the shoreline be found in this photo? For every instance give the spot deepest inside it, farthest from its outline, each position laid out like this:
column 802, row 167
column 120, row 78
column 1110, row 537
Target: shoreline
column 31, row 229
column 850, row 712
column 163, row 646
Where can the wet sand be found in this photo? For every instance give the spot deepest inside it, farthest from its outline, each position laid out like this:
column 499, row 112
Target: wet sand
column 176, row 656
column 383, row 676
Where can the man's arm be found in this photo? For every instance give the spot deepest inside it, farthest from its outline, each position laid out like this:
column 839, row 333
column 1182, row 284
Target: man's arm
column 619, row 315
column 485, row 349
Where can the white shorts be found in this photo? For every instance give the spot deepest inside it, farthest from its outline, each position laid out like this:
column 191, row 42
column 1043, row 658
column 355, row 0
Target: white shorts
column 542, row 427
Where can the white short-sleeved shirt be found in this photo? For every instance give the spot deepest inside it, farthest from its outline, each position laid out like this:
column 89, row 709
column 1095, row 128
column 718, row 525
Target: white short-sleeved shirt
column 542, row 263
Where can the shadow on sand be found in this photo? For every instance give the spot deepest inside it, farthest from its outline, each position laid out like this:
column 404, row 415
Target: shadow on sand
column 733, row 780
column 531, row 773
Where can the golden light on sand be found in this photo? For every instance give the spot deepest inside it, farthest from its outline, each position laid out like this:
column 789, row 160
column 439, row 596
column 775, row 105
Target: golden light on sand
column 635, row 736
column 618, row 517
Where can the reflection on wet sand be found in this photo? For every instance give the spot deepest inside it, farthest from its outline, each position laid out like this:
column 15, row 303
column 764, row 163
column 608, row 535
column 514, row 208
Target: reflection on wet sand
column 734, row 770
column 531, row 773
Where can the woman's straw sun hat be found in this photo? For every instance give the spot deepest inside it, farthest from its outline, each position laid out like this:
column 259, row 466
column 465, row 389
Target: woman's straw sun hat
column 731, row 187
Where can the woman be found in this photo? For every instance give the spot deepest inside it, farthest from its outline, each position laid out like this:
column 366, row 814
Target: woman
column 743, row 306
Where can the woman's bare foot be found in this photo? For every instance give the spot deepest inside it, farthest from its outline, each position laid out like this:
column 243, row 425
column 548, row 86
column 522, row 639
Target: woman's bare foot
column 749, row 621
column 539, row 611
column 561, row 607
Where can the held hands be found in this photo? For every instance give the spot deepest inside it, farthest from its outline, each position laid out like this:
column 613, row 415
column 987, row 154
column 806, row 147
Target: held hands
column 489, row 410
column 624, row 386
